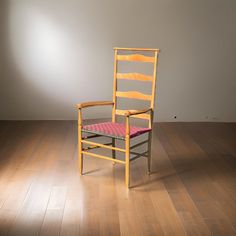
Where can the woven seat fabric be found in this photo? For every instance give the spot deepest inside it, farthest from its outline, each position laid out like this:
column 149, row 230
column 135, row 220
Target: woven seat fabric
column 114, row 129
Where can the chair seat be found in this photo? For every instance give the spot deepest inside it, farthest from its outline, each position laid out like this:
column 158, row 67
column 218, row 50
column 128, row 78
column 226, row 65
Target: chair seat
column 115, row 130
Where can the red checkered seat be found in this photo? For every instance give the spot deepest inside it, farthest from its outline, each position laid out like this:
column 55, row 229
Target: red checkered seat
column 114, row 130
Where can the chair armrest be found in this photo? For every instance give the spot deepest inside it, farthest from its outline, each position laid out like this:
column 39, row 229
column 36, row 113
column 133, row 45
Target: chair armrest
column 94, row 103
column 136, row 112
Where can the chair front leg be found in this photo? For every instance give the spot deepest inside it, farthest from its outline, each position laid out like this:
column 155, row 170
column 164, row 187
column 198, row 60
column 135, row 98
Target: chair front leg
column 127, row 153
column 80, row 155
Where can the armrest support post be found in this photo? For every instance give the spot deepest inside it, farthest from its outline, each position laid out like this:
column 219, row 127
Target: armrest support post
column 127, row 127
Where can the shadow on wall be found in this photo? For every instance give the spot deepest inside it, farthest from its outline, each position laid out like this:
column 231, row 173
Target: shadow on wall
column 42, row 64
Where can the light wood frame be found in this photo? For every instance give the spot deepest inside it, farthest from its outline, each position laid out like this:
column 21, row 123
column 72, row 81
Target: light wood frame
column 146, row 114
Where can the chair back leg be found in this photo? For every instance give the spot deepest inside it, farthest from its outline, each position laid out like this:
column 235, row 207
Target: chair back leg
column 149, row 151
column 114, row 151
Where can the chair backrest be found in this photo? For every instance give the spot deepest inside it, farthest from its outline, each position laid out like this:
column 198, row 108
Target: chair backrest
column 136, row 55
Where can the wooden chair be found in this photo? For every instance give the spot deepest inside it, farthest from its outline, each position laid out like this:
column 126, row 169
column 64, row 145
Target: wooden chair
column 116, row 130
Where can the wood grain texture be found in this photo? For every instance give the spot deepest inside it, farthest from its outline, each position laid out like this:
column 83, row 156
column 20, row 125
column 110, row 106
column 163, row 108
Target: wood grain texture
column 191, row 189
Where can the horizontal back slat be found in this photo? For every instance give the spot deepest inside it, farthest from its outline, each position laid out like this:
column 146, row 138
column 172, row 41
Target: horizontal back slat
column 134, row 94
column 140, row 116
column 134, row 76
column 135, row 57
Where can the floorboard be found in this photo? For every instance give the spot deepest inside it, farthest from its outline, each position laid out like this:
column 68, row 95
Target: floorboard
column 191, row 190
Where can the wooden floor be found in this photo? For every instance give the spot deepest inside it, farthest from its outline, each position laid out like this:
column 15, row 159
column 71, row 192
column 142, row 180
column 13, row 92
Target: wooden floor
column 191, row 191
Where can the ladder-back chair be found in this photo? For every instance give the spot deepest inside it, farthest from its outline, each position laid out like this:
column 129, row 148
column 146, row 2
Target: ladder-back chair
column 122, row 131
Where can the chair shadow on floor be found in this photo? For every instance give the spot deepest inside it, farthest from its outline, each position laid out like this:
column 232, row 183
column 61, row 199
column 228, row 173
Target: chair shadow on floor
column 190, row 170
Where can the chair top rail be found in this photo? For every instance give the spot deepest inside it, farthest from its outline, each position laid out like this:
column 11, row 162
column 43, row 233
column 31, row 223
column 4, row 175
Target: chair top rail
column 137, row 49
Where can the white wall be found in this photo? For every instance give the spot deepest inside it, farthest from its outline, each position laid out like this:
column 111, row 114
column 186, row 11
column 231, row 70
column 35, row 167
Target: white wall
column 55, row 54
